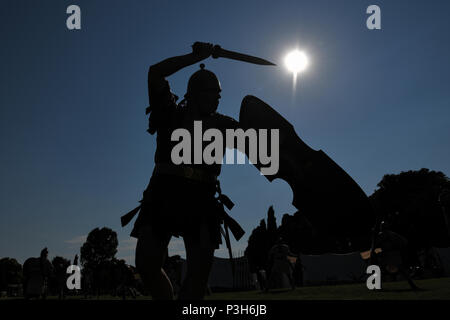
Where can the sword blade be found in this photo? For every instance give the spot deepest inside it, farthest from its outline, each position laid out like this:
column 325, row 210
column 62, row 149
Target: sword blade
column 219, row 52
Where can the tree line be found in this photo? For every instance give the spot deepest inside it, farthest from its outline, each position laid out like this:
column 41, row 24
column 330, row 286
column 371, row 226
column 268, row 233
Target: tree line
column 413, row 204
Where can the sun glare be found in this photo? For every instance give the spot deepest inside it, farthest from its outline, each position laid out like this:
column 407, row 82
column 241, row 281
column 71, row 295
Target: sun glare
column 296, row 61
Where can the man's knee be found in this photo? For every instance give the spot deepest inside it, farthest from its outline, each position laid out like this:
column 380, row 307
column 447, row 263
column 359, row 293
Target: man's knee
column 200, row 248
column 151, row 250
column 199, row 263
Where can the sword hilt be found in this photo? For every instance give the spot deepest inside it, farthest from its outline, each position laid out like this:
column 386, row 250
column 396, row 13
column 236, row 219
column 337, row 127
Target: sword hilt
column 215, row 51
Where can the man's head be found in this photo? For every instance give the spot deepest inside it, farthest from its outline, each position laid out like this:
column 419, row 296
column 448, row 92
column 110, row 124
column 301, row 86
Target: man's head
column 203, row 91
column 44, row 253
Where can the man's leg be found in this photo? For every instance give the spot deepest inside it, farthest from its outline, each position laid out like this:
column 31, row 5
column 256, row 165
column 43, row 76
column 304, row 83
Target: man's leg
column 151, row 252
column 405, row 274
column 199, row 258
column 291, row 279
column 270, row 280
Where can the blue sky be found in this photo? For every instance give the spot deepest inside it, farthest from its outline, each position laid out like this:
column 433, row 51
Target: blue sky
column 75, row 154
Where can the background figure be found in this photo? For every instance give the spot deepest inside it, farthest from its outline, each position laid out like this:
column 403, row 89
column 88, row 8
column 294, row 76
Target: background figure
column 280, row 264
column 262, row 279
column 298, row 272
column 394, row 254
column 36, row 272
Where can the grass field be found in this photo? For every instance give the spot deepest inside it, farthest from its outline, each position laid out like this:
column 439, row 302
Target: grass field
column 432, row 289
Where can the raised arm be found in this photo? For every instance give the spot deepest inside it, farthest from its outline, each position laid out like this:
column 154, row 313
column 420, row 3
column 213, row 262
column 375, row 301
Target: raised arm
column 167, row 67
column 159, row 95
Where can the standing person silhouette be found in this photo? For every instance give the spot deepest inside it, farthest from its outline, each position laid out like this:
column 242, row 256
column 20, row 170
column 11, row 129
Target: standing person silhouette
column 180, row 199
column 280, row 263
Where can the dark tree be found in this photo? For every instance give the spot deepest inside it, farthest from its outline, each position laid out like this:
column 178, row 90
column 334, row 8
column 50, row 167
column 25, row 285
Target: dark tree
column 98, row 260
column 260, row 241
column 297, row 232
column 409, row 204
column 256, row 251
column 10, row 273
column 60, row 264
column 100, row 246
column 124, row 281
column 288, row 231
column 58, row 281
column 272, row 224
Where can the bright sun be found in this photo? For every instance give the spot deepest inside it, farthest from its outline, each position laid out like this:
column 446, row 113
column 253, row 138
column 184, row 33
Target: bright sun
column 296, row 61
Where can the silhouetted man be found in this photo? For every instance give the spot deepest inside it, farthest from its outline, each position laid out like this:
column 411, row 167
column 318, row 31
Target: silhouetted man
column 180, row 199
column 393, row 256
column 298, row 272
column 280, row 263
column 36, row 272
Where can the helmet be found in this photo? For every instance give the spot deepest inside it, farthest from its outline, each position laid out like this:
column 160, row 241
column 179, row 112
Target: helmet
column 202, row 80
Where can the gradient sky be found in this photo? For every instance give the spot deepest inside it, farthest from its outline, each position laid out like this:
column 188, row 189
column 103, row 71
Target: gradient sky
column 75, row 154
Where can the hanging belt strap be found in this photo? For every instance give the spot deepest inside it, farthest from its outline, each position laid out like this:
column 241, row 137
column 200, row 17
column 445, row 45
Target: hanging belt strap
column 228, row 223
column 126, row 218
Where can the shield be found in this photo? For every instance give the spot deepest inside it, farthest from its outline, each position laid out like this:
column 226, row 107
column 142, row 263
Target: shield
column 335, row 214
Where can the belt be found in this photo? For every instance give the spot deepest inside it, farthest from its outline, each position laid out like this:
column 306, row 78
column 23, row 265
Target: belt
column 185, row 172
